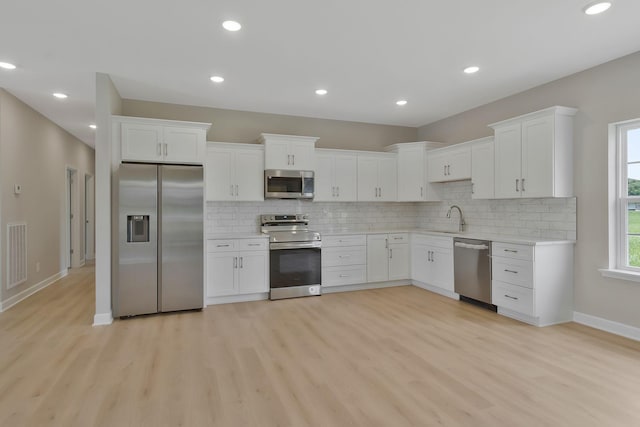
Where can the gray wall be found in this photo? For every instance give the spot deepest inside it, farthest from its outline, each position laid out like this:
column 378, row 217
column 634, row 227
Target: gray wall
column 604, row 94
column 242, row 126
column 35, row 154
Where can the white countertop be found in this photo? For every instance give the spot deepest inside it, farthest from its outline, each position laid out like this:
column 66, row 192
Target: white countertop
column 343, row 231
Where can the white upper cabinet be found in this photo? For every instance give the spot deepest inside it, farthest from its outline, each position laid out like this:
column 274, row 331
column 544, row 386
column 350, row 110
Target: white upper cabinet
column 534, row 154
column 377, row 177
column 335, row 176
column 413, row 185
column 234, row 172
column 288, row 152
column 482, row 168
column 160, row 141
column 450, row 163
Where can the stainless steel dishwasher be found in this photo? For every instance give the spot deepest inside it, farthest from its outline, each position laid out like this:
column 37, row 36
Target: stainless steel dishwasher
column 472, row 270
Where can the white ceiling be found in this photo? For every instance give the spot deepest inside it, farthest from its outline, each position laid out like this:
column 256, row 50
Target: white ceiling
column 366, row 53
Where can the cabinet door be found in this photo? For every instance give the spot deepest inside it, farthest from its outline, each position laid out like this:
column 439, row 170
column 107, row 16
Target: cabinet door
column 221, row 274
column 277, row 156
column 142, row 143
column 367, row 179
column 388, row 179
column 377, row 258
column 249, row 175
column 441, row 268
column 537, row 157
column 183, row 145
column 459, row 164
column 324, row 187
column 437, row 167
column 398, row 262
column 411, row 175
column 220, row 171
column 482, row 170
column 302, row 155
column 346, row 177
column 253, row 272
column 507, row 156
column 420, row 263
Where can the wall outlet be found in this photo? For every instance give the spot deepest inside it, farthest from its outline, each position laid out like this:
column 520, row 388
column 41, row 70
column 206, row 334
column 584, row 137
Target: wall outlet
column 38, row 267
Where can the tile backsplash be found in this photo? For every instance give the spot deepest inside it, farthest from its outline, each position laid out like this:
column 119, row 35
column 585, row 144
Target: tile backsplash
column 541, row 218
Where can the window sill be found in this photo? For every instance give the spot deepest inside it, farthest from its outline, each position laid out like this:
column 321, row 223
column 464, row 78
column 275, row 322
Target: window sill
column 631, row 276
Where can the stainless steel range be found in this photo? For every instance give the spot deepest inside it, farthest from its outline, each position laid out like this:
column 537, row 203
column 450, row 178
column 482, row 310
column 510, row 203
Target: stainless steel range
column 294, row 256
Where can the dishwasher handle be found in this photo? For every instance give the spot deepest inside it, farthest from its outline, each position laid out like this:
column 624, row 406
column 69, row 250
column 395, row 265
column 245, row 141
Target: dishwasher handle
column 470, row 246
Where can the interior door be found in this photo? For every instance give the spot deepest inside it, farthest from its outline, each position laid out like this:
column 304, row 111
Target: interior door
column 181, row 238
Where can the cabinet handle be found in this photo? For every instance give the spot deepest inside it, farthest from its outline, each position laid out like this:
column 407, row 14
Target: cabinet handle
column 235, row 262
column 222, row 246
column 337, row 191
column 510, row 297
column 473, row 188
column 448, row 169
column 345, row 275
column 159, row 149
column 380, row 191
column 511, row 271
column 390, row 253
column 344, row 256
column 421, row 192
column 522, row 185
column 517, row 182
column 397, row 238
column 241, row 258
column 293, row 156
column 236, row 189
column 386, row 243
column 254, row 244
column 166, row 150
column 511, row 250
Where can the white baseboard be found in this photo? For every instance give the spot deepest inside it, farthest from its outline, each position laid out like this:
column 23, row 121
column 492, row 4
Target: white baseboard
column 435, row 289
column 364, row 286
column 11, row 301
column 237, row 298
column 616, row 328
column 81, row 264
column 101, row 319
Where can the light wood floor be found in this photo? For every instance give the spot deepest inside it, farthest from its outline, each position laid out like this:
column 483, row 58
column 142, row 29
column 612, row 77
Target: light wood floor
column 389, row 357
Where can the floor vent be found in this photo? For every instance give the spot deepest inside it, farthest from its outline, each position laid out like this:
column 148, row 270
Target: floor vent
column 16, row 254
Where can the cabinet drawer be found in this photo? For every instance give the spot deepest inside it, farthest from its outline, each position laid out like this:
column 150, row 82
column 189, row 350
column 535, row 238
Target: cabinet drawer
column 344, row 256
column 253, row 244
column 350, row 240
column 398, row 238
column 512, row 297
column 222, row 245
column 513, row 271
column 437, row 241
column 511, row 250
column 350, row 275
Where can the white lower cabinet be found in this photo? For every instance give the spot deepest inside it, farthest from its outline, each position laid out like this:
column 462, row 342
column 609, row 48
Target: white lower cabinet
column 533, row 284
column 237, row 267
column 432, row 263
column 387, row 257
column 344, row 260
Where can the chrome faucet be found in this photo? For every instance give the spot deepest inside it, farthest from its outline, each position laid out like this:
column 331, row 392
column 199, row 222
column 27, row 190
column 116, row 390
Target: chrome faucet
column 462, row 223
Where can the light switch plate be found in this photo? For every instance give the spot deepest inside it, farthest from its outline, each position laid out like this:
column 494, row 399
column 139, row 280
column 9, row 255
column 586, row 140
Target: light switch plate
column 17, row 189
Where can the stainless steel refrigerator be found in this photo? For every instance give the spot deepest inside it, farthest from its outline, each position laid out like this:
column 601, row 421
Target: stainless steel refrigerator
column 160, row 239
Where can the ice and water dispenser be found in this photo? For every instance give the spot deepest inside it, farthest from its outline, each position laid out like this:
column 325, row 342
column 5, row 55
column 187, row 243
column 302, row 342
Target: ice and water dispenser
column 137, row 228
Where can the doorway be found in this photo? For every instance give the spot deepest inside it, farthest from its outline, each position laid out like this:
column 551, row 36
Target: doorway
column 89, row 230
column 72, row 229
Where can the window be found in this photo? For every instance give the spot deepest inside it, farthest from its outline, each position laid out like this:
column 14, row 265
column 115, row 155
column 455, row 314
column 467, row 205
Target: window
column 624, row 195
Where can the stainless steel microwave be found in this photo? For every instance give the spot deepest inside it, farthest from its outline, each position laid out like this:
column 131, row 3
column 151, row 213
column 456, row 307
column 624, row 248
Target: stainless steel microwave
column 288, row 184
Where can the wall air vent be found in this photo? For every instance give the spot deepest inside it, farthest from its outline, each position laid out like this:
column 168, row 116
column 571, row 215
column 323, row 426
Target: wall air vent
column 16, row 254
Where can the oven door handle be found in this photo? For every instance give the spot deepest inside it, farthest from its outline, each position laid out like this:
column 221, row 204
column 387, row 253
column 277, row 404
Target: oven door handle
column 295, row 245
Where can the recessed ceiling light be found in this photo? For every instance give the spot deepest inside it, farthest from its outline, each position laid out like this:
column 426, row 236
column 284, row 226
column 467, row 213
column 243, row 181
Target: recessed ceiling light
column 217, row 79
column 7, row 66
column 596, row 8
column 60, row 95
column 472, row 69
column 401, row 102
column 93, row 126
column 321, row 92
column 231, row 25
